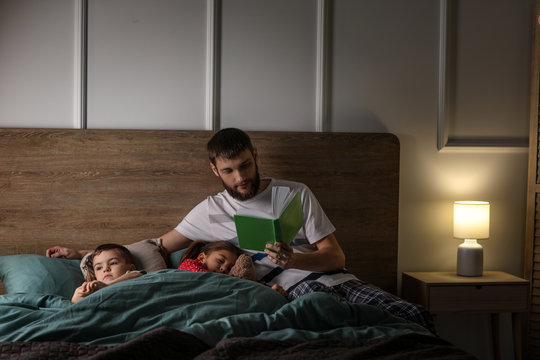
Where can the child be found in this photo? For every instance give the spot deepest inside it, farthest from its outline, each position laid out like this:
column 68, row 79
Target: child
column 220, row 257
column 109, row 264
column 216, row 256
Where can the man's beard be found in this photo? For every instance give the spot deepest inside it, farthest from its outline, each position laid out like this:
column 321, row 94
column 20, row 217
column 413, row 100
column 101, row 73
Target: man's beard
column 255, row 184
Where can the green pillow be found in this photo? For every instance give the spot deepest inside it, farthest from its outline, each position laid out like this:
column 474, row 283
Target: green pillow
column 174, row 258
column 38, row 274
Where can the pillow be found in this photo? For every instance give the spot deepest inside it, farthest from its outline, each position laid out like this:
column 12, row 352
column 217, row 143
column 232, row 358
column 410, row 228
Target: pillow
column 38, row 274
column 174, row 258
column 147, row 255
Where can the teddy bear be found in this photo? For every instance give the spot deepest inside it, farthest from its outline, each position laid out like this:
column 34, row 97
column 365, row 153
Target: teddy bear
column 244, row 268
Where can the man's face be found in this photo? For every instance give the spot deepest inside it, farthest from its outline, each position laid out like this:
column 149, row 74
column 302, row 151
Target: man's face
column 240, row 175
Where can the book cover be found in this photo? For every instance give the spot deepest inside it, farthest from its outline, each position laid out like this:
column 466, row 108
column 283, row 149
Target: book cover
column 256, row 229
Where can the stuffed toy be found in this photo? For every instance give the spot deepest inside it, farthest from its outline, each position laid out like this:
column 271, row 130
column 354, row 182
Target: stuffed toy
column 244, row 268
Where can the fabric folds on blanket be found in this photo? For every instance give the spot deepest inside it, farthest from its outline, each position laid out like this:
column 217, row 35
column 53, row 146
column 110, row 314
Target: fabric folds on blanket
column 165, row 343
column 211, row 307
column 408, row 346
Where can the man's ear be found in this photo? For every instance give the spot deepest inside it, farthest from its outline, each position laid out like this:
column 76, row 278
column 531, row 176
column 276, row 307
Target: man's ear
column 214, row 169
column 255, row 154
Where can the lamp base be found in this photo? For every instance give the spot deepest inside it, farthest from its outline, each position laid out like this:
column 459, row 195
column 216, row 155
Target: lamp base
column 470, row 258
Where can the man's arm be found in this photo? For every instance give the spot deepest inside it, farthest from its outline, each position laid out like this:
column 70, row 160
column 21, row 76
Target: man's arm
column 173, row 241
column 328, row 257
column 66, row 253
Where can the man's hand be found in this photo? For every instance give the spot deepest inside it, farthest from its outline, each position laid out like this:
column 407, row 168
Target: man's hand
column 280, row 254
column 65, row 253
column 328, row 257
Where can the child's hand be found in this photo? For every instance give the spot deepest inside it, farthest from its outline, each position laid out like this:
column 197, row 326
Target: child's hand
column 87, row 288
column 280, row 290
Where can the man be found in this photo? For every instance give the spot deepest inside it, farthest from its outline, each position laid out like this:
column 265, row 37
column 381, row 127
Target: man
column 313, row 262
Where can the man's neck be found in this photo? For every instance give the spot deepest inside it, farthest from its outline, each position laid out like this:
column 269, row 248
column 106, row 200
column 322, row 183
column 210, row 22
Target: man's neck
column 264, row 185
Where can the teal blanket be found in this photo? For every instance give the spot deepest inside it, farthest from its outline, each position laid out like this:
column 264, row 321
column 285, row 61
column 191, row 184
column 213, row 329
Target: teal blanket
column 210, row 306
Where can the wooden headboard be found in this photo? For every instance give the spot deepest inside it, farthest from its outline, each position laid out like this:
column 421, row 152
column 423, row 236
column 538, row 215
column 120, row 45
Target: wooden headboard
column 80, row 188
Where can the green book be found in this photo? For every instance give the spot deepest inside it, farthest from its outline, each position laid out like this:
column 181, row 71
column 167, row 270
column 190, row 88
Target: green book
column 255, row 228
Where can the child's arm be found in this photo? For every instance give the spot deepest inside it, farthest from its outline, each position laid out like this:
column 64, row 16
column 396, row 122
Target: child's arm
column 280, row 290
column 126, row 276
column 90, row 287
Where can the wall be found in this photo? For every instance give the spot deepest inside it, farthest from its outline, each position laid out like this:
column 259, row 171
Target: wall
column 147, row 67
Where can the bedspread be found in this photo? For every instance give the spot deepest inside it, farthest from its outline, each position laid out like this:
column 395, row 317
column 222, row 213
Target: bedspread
column 210, row 306
column 184, row 315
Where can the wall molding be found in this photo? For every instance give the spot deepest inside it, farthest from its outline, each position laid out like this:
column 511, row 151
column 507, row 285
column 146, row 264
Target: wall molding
column 442, row 131
column 445, row 74
column 213, row 28
column 322, row 66
column 80, row 67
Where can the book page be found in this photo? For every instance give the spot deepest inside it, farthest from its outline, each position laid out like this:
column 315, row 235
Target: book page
column 253, row 213
column 281, row 195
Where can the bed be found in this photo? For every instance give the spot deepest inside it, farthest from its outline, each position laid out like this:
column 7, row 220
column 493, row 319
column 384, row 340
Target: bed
column 81, row 188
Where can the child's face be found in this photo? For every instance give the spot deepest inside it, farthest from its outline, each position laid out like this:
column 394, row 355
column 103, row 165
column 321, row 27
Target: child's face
column 110, row 265
column 220, row 261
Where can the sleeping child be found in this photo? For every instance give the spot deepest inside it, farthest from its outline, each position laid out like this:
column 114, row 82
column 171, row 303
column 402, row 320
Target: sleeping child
column 221, row 257
column 108, row 264
column 217, row 256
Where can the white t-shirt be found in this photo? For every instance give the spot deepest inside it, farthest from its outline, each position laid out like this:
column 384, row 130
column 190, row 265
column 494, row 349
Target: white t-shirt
column 213, row 220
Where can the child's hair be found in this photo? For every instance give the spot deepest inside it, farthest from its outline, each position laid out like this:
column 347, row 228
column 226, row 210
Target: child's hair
column 207, row 248
column 123, row 253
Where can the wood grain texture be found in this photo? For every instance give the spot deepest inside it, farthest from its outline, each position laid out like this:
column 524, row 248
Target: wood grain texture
column 531, row 261
column 80, row 188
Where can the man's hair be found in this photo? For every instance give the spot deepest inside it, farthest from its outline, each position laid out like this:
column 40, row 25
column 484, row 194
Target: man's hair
column 228, row 143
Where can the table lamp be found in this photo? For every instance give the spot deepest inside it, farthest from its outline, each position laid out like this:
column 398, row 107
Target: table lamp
column 471, row 222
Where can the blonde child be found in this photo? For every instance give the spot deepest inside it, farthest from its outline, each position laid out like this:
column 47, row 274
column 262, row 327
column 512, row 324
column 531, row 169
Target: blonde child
column 109, row 264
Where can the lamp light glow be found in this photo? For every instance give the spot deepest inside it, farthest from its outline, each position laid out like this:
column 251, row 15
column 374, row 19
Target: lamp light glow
column 471, row 222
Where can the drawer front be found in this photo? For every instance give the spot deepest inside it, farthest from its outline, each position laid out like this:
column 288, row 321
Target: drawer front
column 471, row 298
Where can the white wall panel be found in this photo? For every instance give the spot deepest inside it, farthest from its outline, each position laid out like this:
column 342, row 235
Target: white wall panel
column 268, row 64
column 383, row 65
column 146, row 64
column 491, row 39
column 37, row 63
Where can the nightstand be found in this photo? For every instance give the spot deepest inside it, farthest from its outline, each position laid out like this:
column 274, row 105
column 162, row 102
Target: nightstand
column 495, row 292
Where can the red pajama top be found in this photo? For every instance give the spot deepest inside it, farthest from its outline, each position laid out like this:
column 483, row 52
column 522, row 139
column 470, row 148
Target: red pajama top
column 194, row 265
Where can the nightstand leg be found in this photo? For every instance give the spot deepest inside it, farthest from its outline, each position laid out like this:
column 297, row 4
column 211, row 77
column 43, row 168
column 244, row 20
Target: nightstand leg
column 518, row 340
column 495, row 335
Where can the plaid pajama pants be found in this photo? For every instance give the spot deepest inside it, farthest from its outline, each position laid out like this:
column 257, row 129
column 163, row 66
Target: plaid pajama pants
column 357, row 291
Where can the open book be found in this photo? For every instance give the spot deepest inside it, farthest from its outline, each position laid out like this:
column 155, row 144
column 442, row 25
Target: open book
column 255, row 228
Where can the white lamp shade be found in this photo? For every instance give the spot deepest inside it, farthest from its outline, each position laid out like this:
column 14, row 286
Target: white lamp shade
column 471, row 219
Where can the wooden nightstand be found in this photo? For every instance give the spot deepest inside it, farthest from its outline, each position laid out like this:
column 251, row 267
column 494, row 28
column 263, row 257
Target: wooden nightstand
column 495, row 292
